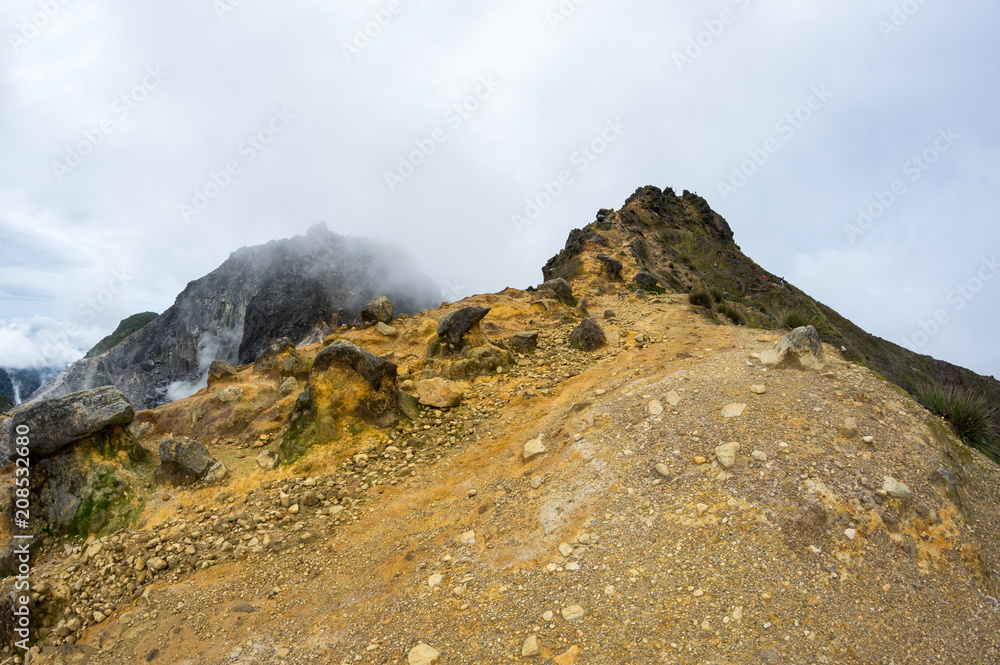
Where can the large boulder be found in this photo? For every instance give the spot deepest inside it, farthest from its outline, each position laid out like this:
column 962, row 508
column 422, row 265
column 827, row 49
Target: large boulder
column 378, row 372
column 281, row 360
column 588, row 336
column 610, row 265
column 439, row 393
column 799, row 349
column 524, row 342
column 561, row 289
column 347, row 381
column 379, row 310
column 646, row 280
column 54, row 424
column 454, row 325
column 183, row 461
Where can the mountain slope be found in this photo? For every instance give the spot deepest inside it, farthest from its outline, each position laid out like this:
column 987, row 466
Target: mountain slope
column 690, row 248
column 126, row 327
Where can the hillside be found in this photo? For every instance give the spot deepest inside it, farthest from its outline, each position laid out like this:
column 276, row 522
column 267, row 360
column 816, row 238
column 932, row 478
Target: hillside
column 689, row 248
column 127, row 326
column 674, row 494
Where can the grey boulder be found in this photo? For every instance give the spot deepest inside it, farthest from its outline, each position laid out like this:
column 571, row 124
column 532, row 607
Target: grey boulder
column 55, row 423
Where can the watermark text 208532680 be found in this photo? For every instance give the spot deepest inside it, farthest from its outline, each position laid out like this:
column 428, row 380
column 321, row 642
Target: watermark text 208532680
column 121, row 109
column 249, row 150
column 22, row 551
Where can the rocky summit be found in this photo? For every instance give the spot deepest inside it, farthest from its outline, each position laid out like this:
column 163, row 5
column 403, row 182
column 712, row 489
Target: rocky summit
column 604, row 470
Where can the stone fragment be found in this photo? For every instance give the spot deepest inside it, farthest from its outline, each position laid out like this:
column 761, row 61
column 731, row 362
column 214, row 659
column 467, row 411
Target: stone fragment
column 530, row 647
column 758, row 389
column 895, row 489
column 664, row 471
column 759, row 455
column 799, row 349
column 588, row 336
column 733, row 410
column 267, row 460
column 568, row 657
column 572, row 613
column 849, row 428
column 655, row 407
column 467, row 539
column 423, row 654
column 455, row 324
column 183, row 461
column 220, row 370
column 533, row 449
column 439, row 393
column 378, row 310
column 726, row 454
column 673, row 398
column 524, row 342
column 565, row 549
column 435, row 580
column 386, row 329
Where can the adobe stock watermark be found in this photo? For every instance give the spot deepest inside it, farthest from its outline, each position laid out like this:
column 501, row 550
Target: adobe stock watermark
column 959, row 297
column 913, row 168
column 224, row 8
column 580, row 160
column 33, row 24
column 453, row 119
column 899, row 17
column 121, row 109
column 703, row 40
column 87, row 310
column 786, row 127
column 562, row 13
column 365, row 34
column 452, row 290
column 218, row 181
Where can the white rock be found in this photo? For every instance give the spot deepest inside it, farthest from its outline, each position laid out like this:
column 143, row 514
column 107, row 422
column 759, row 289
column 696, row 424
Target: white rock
column 673, row 398
column 530, row 647
column 758, row 389
column 733, row 410
column 572, row 613
column 435, row 580
column 895, row 489
column 565, row 549
column 548, row 615
column 533, row 449
column 467, row 539
column 850, row 533
column 656, row 407
column 726, row 454
column 423, row 654
column 759, row 455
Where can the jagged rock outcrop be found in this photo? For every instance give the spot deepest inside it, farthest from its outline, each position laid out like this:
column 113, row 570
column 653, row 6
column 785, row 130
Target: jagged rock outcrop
column 282, row 289
column 56, row 423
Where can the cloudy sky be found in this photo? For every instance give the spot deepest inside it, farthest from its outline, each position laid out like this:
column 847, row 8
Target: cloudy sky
column 852, row 146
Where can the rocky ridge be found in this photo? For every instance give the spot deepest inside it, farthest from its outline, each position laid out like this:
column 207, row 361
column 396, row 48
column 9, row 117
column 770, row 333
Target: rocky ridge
column 674, row 495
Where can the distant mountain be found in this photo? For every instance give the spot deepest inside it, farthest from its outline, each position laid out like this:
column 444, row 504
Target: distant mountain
column 125, row 328
column 286, row 288
column 18, row 385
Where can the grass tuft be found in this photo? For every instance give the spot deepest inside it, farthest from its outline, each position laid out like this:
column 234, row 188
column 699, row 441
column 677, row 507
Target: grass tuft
column 969, row 414
column 702, row 299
